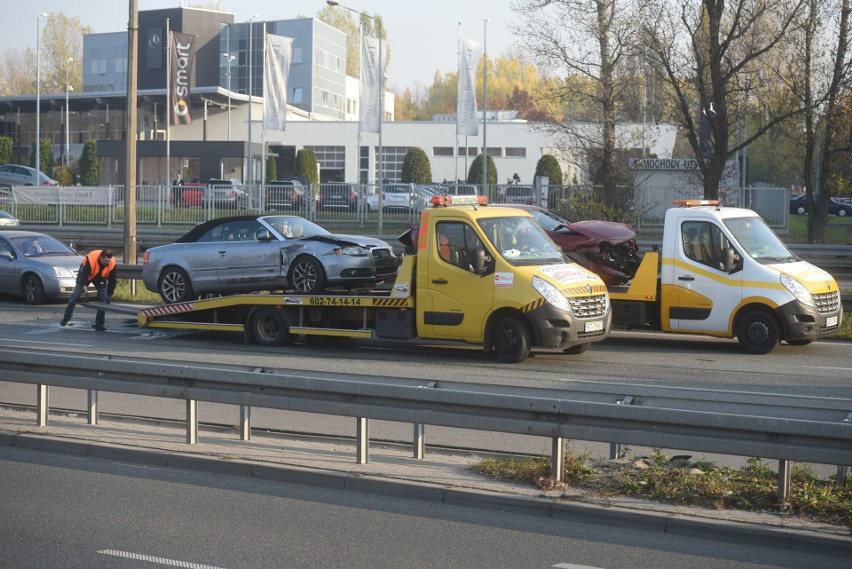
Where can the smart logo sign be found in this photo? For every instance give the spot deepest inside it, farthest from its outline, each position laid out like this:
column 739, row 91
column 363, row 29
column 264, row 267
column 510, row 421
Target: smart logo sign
column 182, row 59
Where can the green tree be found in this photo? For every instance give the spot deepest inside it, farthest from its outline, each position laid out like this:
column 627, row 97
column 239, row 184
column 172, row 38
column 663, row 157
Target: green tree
column 6, row 148
column 549, row 166
column 416, row 168
column 45, row 156
column 474, row 174
column 88, row 165
column 271, row 169
column 306, row 165
column 64, row 175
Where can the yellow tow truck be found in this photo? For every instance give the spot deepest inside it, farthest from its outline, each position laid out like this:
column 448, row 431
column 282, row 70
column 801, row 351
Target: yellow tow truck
column 471, row 273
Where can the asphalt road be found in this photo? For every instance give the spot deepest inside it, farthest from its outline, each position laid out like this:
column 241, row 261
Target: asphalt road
column 89, row 513
column 820, row 369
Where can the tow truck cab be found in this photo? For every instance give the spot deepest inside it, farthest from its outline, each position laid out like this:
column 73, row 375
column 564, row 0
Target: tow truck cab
column 493, row 277
column 724, row 273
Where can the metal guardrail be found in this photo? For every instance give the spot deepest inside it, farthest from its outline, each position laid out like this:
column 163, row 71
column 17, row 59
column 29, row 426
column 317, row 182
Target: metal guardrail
column 809, row 429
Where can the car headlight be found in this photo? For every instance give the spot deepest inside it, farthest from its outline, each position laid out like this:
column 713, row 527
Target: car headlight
column 551, row 294
column 797, row 290
column 62, row 272
column 354, row 251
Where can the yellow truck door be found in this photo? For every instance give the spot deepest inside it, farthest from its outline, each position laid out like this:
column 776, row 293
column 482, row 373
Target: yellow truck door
column 455, row 301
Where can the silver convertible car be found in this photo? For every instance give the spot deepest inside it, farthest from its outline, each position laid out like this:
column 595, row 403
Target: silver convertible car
column 242, row 254
column 36, row 266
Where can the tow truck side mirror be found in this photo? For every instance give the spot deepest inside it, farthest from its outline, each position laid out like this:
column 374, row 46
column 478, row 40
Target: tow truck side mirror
column 729, row 259
column 480, row 261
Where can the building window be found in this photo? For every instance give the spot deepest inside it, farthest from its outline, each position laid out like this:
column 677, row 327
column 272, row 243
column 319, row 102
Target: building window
column 495, row 152
column 442, row 151
column 297, row 95
column 516, row 152
column 298, row 55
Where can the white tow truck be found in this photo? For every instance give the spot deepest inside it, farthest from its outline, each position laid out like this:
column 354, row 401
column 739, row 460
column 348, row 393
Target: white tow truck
column 723, row 272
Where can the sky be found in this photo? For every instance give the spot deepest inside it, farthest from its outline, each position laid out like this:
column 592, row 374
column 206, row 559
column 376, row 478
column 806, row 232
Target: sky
column 423, row 33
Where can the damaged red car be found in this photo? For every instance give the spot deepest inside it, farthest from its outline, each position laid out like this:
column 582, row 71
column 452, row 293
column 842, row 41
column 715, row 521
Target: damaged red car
column 607, row 248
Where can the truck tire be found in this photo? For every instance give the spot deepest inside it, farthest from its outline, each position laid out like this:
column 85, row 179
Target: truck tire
column 270, row 328
column 32, row 289
column 577, row 350
column 511, row 340
column 758, row 332
column 306, row 276
column 174, row 285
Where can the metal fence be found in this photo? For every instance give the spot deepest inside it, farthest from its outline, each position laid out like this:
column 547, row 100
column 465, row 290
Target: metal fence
column 156, row 205
column 809, row 429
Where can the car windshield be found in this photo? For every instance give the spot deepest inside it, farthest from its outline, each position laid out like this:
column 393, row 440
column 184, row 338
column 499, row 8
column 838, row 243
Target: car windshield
column 293, row 227
column 758, row 240
column 40, row 245
column 521, row 241
column 548, row 220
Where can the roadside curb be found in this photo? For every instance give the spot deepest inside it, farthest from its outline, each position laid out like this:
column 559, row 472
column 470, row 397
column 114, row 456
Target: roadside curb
column 544, row 506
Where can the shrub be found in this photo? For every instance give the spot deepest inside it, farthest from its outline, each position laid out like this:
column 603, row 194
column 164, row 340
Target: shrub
column 416, row 168
column 88, row 165
column 306, row 165
column 548, row 166
column 6, row 148
column 474, row 174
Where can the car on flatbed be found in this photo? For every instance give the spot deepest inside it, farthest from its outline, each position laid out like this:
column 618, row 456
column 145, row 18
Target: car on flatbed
column 254, row 253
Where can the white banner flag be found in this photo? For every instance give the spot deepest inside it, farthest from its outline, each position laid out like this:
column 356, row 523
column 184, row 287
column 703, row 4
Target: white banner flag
column 275, row 71
column 370, row 84
column 466, row 119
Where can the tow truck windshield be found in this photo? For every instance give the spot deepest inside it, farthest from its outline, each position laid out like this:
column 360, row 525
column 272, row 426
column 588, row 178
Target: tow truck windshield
column 521, row 241
column 759, row 241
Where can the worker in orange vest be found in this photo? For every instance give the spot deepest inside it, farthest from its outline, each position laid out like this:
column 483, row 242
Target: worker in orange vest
column 96, row 269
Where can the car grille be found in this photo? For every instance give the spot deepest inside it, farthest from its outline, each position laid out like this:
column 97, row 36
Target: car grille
column 386, row 263
column 588, row 306
column 828, row 302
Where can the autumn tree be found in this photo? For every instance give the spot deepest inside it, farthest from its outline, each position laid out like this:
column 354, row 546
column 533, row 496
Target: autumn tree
column 588, row 44
column 369, row 25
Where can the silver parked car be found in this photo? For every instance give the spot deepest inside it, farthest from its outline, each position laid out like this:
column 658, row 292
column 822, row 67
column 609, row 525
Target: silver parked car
column 36, row 266
column 252, row 253
column 397, row 197
column 16, row 175
column 8, row 220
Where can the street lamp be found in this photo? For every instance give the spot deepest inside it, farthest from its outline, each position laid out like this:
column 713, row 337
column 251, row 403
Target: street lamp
column 38, row 99
column 380, row 176
column 250, row 178
column 229, row 59
column 68, row 88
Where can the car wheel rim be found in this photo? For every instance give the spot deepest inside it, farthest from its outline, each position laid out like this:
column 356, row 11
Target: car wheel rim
column 173, row 287
column 29, row 290
column 304, row 277
column 758, row 333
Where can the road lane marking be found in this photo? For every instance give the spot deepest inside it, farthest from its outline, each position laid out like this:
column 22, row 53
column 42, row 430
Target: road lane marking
column 158, row 560
column 10, row 340
column 573, row 566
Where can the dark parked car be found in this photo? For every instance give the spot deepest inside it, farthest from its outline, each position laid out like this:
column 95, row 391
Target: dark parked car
column 606, row 248
column 16, row 175
column 36, row 266
column 338, row 196
column 285, row 194
column 245, row 254
column 799, row 205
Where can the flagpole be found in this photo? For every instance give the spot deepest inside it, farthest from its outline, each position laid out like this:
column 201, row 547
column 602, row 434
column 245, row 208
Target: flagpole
column 169, row 104
column 484, row 106
column 458, row 118
column 263, row 127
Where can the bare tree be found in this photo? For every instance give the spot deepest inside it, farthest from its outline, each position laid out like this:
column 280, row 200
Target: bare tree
column 826, row 75
column 714, row 55
column 588, row 46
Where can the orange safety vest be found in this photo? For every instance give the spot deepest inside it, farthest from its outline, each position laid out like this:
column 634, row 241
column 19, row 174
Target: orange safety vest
column 94, row 263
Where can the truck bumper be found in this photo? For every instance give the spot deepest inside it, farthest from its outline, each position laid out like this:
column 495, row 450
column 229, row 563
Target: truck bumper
column 554, row 328
column 801, row 322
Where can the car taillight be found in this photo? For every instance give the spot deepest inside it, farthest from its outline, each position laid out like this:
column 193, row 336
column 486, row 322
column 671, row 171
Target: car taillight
column 146, row 257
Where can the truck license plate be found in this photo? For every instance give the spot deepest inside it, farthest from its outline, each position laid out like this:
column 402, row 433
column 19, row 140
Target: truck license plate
column 595, row 326
column 831, row 321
